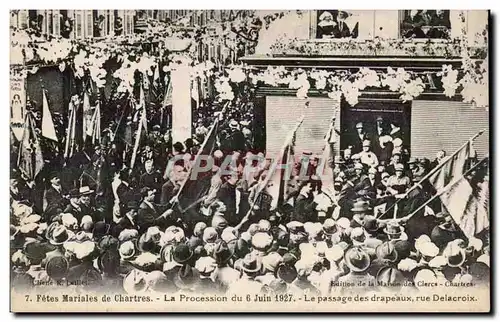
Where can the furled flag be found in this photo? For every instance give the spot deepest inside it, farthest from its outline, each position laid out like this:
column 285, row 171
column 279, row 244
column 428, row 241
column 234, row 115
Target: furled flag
column 48, row 129
column 143, row 126
column 87, row 115
column 195, row 92
column 95, row 125
column 30, row 158
column 325, row 170
column 71, row 131
column 467, row 200
column 167, row 99
column 156, row 85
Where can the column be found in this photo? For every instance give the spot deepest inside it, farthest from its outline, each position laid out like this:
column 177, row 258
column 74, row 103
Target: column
column 181, row 104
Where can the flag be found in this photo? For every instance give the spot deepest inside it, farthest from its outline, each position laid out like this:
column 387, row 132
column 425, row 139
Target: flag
column 139, row 131
column 276, row 181
column 325, row 170
column 193, row 190
column 167, row 100
column 156, row 88
column 195, row 92
column 428, row 211
column 142, row 102
column 87, row 116
column 453, row 167
column 70, row 131
column 30, row 159
column 95, row 125
column 467, row 200
column 48, row 129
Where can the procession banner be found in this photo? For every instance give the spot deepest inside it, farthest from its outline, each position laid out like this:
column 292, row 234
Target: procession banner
column 17, row 104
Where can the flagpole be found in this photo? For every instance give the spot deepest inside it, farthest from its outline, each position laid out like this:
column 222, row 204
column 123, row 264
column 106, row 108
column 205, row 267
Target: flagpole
column 433, row 171
column 442, row 191
column 268, row 176
column 197, row 156
column 23, row 138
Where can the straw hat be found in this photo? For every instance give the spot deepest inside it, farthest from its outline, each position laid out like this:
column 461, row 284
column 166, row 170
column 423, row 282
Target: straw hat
column 251, row 264
column 135, row 282
column 127, row 250
column 356, row 259
column 361, row 206
column 205, row 265
column 271, row 261
column 262, row 241
column 59, row 235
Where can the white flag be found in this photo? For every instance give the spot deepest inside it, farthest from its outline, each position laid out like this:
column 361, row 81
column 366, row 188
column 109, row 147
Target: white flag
column 48, row 129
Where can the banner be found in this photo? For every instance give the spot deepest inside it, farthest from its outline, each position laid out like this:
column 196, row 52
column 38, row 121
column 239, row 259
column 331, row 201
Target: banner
column 48, row 129
column 17, row 104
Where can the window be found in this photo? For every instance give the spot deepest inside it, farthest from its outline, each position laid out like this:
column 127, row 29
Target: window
column 433, row 24
column 335, row 24
column 100, row 24
column 79, row 24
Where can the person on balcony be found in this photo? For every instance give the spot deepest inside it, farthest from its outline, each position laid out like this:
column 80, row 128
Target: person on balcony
column 341, row 29
column 326, row 25
column 414, row 22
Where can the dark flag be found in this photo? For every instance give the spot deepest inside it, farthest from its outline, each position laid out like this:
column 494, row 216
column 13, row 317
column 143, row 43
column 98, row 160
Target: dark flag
column 30, row 159
column 193, row 190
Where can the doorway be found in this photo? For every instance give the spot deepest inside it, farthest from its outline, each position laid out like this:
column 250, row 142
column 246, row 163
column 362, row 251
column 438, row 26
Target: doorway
column 393, row 112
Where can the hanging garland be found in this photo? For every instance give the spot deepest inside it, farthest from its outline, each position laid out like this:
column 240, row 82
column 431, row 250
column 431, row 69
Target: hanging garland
column 172, row 47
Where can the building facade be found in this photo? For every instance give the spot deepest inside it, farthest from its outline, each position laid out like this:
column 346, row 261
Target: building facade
column 377, row 40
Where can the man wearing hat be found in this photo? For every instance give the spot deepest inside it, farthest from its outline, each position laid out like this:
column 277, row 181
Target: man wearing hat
column 341, row 29
column 360, row 209
column 398, row 183
column 339, row 165
column 367, row 156
column 224, row 275
column 75, row 206
column 251, row 267
column 357, row 261
column 358, row 138
column 235, row 140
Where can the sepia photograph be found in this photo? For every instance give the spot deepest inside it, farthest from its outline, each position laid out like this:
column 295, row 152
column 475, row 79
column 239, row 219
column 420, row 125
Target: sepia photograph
column 249, row 161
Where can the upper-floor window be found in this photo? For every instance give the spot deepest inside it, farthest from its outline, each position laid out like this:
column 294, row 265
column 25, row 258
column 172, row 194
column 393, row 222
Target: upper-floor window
column 433, row 24
column 336, row 24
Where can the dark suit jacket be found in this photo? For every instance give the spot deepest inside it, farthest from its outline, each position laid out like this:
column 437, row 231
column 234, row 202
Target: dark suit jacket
column 305, row 209
column 345, row 32
column 357, row 143
column 123, row 224
column 54, row 197
column 148, row 217
column 125, row 194
column 227, row 194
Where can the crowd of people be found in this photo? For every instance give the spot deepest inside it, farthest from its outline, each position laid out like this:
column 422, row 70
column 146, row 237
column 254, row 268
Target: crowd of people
column 96, row 225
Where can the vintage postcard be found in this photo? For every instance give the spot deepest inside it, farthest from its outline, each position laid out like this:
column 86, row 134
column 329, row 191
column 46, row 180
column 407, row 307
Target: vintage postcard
column 249, row 161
